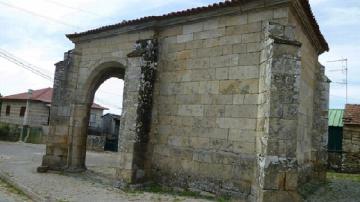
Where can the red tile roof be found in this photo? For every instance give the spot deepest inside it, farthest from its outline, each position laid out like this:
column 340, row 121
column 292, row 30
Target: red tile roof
column 42, row 95
column 228, row 3
column 352, row 114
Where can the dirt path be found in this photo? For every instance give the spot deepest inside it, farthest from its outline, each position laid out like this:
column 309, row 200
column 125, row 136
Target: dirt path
column 339, row 188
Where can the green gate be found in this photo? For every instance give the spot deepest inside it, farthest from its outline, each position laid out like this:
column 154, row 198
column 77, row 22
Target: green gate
column 335, row 138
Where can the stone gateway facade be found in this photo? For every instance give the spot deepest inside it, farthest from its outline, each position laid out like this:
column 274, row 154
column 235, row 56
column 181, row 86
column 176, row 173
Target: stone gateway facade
column 228, row 98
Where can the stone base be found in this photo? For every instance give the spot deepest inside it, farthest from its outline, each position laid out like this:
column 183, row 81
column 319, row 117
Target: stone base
column 238, row 189
column 124, row 175
column 55, row 163
column 76, row 170
column 277, row 195
column 42, row 169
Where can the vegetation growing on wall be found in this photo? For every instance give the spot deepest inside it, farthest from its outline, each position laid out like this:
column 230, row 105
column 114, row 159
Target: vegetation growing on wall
column 9, row 132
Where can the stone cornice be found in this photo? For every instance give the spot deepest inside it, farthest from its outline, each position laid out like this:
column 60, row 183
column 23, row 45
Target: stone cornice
column 244, row 6
column 309, row 29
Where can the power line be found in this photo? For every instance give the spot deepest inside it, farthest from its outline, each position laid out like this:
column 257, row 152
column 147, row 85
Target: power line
column 39, row 15
column 44, row 74
column 71, row 7
column 22, row 63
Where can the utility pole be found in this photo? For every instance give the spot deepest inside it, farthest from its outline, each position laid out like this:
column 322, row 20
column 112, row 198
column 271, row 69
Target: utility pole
column 344, row 70
column 25, row 124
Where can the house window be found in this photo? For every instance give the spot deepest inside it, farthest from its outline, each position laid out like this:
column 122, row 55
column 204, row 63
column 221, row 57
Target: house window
column 92, row 121
column 22, row 111
column 7, row 113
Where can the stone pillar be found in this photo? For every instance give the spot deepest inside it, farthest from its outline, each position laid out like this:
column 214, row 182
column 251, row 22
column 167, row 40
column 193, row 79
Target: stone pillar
column 320, row 125
column 57, row 142
column 279, row 92
column 135, row 120
column 78, row 134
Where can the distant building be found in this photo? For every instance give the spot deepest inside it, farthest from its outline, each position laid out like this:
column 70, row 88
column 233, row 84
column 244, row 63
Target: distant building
column 351, row 139
column 14, row 109
column 335, row 137
column 111, row 127
column 344, row 139
column 336, row 124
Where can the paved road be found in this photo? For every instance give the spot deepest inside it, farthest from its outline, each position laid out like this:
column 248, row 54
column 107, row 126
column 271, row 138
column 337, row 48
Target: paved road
column 20, row 160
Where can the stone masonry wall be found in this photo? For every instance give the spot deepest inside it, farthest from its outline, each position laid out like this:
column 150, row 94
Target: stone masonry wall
column 63, row 90
column 309, row 113
column 280, row 68
column 232, row 96
column 351, row 149
column 39, row 113
column 206, row 102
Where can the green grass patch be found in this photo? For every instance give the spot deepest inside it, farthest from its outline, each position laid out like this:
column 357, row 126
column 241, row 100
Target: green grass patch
column 309, row 189
column 342, row 176
column 12, row 189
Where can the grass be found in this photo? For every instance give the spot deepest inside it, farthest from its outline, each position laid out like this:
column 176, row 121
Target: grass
column 343, row 176
column 312, row 187
column 11, row 189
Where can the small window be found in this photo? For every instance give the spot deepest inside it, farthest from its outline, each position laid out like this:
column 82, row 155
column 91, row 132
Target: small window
column 22, row 111
column 7, row 110
column 92, row 121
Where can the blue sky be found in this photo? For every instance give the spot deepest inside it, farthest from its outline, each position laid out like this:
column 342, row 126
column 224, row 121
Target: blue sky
column 34, row 30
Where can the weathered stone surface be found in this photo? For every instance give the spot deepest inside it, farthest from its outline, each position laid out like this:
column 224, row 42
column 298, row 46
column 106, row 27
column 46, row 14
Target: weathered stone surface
column 231, row 109
column 350, row 158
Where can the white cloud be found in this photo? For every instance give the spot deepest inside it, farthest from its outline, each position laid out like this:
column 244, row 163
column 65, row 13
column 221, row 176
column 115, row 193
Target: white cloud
column 42, row 42
column 35, row 31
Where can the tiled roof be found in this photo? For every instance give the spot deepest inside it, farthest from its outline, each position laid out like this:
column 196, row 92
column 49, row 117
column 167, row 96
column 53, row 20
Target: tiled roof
column 228, row 3
column 352, row 114
column 336, row 117
column 42, row 95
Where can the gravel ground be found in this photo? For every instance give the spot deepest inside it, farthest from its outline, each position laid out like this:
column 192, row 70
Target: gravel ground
column 20, row 161
column 339, row 188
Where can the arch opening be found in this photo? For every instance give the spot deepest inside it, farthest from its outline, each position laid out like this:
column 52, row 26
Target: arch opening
column 104, row 127
column 97, row 113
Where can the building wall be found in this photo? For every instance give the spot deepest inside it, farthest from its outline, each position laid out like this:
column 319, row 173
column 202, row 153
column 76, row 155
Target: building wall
column 205, row 97
column 311, row 123
column 351, row 149
column 206, row 101
column 216, row 113
column 96, row 118
column 110, row 125
column 38, row 113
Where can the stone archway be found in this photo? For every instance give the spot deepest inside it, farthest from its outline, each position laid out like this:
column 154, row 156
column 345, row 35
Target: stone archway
column 81, row 111
column 74, row 89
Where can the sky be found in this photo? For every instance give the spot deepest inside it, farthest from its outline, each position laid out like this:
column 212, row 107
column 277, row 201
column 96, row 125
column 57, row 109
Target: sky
column 34, row 31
